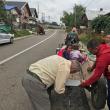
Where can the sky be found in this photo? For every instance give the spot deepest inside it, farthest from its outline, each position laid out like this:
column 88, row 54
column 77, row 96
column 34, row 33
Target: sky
column 52, row 10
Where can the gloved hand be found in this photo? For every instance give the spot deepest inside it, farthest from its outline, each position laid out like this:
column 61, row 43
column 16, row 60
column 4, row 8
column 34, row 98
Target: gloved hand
column 86, row 87
column 83, row 85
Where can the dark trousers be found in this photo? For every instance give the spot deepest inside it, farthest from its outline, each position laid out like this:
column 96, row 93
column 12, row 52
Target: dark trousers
column 108, row 99
column 37, row 92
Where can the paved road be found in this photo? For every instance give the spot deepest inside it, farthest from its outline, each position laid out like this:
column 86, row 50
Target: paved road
column 15, row 58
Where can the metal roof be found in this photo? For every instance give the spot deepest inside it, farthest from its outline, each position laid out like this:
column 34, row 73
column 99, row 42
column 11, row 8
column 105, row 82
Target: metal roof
column 15, row 3
column 9, row 7
column 92, row 14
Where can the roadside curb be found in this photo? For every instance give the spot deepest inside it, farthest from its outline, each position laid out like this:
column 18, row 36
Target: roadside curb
column 27, row 36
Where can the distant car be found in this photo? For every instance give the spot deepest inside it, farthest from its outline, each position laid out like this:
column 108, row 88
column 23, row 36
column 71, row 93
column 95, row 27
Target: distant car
column 6, row 38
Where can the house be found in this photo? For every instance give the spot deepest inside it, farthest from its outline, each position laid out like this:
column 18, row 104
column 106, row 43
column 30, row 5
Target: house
column 84, row 21
column 25, row 12
column 13, row 14
column 33, row 18
column 92, row 14
column 34, row 12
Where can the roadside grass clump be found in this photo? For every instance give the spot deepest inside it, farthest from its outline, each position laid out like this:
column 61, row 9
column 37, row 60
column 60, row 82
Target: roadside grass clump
column 20, row 33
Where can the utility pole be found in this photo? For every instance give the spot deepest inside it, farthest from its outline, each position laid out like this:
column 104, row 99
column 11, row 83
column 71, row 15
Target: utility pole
column 43, row 17
column 38, row 9
column 26, row 1
column 75, row 15
column 49, row 18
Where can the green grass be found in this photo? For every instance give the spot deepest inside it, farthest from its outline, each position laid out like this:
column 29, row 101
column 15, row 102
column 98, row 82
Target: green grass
column 20, row 33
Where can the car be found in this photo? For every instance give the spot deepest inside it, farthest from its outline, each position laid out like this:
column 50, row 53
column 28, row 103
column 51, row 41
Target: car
column 6, row 38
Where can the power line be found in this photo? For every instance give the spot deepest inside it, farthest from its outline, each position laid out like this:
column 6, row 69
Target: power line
column 91, row 2
column 84, row 3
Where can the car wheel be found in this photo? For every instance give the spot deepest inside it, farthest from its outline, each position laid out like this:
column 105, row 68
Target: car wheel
column 11, row 40
column 99, row 94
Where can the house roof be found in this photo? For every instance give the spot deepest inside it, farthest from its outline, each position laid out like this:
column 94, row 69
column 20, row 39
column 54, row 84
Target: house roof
column 17, row 4
column 92, row 14
column 34, row 10
column 9, row 7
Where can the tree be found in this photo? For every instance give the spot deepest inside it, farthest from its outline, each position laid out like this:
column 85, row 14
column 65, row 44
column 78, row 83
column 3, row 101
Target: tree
column 79, row 12
column 67, row 18
column 101, row 23
column 3, row 14
column 75, row 18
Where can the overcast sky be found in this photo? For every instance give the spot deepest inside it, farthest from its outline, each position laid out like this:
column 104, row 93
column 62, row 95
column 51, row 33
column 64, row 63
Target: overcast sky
column 53, row 9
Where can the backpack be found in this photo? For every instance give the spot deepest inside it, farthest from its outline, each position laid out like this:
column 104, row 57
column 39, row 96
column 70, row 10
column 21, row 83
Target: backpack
column 71, row 38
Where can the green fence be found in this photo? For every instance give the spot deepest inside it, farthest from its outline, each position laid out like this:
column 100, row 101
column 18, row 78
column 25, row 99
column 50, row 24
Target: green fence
column 5, row 28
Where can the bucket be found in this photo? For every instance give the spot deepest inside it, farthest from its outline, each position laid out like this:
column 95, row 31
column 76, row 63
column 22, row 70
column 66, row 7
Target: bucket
column 71, row 82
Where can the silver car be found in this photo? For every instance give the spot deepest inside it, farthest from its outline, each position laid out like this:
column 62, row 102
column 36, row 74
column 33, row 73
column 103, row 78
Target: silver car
column 6, row 38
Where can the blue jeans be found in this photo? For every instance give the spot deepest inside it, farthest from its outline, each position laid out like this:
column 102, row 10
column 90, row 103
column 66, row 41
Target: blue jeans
column 108, row 99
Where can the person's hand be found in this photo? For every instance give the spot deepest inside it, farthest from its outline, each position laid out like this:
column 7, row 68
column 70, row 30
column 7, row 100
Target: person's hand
column 82, row 83
column 108, row 68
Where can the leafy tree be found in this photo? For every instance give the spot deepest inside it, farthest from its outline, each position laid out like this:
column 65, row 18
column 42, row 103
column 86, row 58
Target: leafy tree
column 75, row 18
column 67, row 19
column 3, row 14
column 101, row 23
column 79, row 12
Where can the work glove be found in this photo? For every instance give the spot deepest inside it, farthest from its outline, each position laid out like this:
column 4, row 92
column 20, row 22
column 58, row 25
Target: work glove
column 82, row 85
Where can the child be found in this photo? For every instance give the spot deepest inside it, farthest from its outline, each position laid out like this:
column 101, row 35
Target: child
column 76, row 54
column 65, row 52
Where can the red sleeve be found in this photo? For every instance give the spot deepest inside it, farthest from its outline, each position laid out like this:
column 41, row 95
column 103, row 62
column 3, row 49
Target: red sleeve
column 99, row 70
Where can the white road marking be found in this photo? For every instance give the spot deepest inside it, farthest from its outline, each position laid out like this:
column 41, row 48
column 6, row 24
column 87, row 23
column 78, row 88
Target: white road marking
column 7, row 59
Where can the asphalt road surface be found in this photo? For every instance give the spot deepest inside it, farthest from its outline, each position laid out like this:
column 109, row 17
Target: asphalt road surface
column 16, row 58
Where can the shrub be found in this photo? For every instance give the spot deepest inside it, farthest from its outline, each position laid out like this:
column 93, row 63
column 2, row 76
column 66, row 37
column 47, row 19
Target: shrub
column 86, row 37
